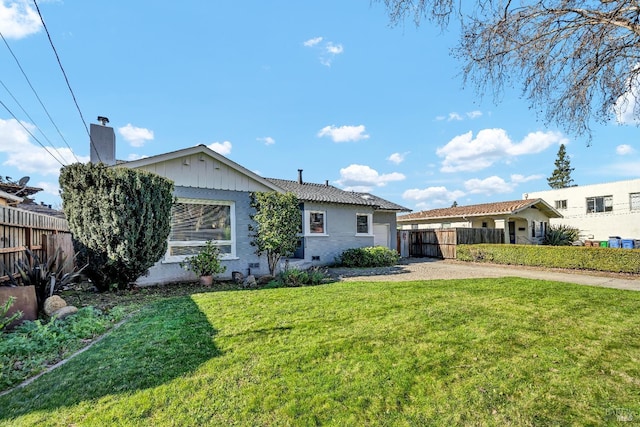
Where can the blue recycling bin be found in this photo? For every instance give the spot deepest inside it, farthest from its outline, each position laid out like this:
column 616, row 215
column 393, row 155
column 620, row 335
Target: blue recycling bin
column 615, row 242
column 628, row 243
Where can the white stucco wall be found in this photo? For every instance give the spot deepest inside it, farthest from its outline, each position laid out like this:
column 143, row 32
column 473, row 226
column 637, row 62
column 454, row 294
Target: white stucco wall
column 622, row 221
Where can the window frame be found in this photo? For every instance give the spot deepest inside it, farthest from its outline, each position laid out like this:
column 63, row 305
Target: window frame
column 307, row 223
column 635, row 202
column 561, row 204
column 592, row 204
column 369, row 217
column 168, row 258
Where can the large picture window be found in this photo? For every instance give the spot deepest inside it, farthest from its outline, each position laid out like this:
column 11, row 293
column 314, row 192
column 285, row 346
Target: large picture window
column 599, row 204
column 317, row 223
column 196, row 221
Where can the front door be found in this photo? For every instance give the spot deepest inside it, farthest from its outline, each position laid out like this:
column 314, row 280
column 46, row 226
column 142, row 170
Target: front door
column 512, row 232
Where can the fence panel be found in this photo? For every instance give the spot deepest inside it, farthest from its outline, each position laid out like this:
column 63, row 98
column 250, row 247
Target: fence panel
column 442, row 243
column 21, row 230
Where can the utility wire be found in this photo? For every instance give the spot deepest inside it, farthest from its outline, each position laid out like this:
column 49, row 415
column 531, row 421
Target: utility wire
column 33, row 121
column 29, row 132
column 36, row 94
column 75, row 101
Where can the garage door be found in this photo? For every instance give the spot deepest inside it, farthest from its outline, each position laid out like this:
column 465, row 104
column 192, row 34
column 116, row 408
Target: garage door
column 381, row 235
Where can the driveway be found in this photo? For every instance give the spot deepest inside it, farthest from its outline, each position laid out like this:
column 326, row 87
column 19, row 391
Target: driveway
column 431, row 269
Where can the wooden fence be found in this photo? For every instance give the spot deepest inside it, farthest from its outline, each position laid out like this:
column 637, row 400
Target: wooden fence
column 21, row 230
column 441, row 243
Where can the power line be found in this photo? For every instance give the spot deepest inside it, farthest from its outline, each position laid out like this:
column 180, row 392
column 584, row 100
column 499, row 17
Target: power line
column 66, row 79
column 33, row 121
column 29, row 132
column 36, row 94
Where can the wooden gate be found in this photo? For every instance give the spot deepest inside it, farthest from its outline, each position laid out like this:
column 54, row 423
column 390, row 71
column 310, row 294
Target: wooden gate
column 441, row 243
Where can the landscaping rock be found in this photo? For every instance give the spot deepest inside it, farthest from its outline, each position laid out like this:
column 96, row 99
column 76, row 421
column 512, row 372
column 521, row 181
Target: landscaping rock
column 250, row 281
column 65, row 312
column 237, row 277
column 263, row 280
column 53, row 304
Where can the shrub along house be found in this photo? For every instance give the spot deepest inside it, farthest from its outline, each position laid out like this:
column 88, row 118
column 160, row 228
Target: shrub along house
column 524, row 221
column 213, row 203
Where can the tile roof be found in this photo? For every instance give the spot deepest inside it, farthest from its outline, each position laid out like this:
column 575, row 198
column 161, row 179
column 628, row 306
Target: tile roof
column 485, row 209
column 325, row 193
column 41, row 209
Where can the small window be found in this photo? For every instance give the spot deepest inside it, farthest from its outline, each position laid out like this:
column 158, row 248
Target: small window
column 634, row 200
column 316, row 222
column 561, row 204
column 599, row 204
column 363, row 224
column 484, row 225
column 533, row 229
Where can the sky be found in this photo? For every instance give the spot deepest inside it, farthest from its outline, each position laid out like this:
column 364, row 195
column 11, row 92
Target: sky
column 329, row 87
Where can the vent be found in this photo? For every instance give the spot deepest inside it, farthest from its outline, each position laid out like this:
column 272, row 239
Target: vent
column 315, row 258
column 254, row 265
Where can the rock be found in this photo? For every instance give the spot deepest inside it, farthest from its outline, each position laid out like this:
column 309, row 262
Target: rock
column 237, row 277
column 250, row 281
column 263, row 280
column 65, row 312
column 53, row 304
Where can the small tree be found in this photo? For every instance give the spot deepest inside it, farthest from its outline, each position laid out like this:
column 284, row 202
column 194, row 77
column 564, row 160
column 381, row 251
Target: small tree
column 561, row 176
column 120, row 220
column 277, row 224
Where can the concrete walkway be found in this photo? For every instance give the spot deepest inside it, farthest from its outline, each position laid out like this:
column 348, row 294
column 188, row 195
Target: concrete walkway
column 431, row 269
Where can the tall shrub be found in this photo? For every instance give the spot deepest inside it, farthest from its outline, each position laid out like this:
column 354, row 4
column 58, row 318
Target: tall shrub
column 119, row 218
column 278, row 221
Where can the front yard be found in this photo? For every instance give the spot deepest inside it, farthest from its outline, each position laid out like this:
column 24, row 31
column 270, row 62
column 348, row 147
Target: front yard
column 472, row 352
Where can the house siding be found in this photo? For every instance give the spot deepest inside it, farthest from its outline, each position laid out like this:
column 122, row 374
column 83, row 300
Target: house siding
column 167, row 272
column 340, row 234
column 620, row 221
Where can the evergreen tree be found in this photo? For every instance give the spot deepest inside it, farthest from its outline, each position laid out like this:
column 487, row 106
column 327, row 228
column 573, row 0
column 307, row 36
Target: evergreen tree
column 561, row 176
column 120, row 220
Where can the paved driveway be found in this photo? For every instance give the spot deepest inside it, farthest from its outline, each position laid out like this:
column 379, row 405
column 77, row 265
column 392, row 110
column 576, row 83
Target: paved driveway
column 430, row 269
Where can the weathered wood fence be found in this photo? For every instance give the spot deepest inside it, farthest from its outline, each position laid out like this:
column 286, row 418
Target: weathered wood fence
column 441, row 243
column 21, row 230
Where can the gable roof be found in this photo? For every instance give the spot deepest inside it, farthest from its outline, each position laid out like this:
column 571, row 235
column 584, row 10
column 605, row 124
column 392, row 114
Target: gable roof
column 325, row 193
column 511, row 207
column 198, row 149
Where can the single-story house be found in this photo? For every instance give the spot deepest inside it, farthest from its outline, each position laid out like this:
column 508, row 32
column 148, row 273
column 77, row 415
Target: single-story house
column 213, row 203
column 599, row 211
column 525, row 221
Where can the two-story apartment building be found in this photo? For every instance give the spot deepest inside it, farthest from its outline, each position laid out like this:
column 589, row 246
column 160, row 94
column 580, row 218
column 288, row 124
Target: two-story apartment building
column 598, row 210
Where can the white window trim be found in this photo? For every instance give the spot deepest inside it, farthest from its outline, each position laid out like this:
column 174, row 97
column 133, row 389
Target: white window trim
column 632, row 197
column 307, row 223
column 168, row 258
column 369, row 224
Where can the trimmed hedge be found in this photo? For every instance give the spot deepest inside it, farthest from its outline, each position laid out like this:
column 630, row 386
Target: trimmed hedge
column 615, row 260
column 374, row 256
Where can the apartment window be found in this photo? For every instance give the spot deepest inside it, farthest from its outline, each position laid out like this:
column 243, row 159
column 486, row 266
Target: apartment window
column 599, row 204
column 561, row 204
column 196, row 221
column 317, row 224
column 363, row 224
column 634, row 200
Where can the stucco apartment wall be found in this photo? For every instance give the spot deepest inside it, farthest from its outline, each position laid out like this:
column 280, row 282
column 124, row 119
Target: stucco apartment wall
column 621, row 221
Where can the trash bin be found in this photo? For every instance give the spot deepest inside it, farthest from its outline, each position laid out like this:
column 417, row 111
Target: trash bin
column 604, row 244
column 615, row 242
column 627, row 243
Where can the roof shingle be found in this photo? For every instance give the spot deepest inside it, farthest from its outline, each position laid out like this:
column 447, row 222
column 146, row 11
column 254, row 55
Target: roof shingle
column 484, row 209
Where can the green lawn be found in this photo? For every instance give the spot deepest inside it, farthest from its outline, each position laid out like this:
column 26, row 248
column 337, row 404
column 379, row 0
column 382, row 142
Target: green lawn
column 465, row 352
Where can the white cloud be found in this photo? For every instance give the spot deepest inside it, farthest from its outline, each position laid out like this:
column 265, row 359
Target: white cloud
column 363, row 178
column 327, row 50
column 488, row 186
column 454, row 116
column 432, row 197
column 519, row 179
column 267, row 140
column 28, row 157
column 344, row 133
column 474, row 114
column 624, row 169
column 52, row 188
column 133, row 156
column 397, row 158
column 624, row 149
column 18, row 19
column 466, row 153
column 135, row 136
column 223, row 148
column 312, row 42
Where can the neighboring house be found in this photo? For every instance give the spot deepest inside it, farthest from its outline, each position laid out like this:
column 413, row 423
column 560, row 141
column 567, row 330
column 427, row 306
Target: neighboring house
column 599, row 210
column 524, row 221
column 12, row 194
column 213, row 203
